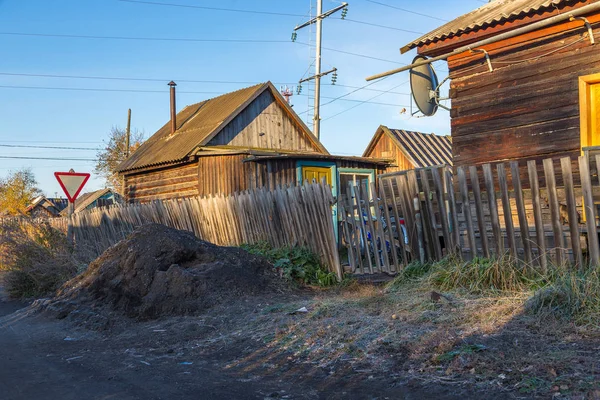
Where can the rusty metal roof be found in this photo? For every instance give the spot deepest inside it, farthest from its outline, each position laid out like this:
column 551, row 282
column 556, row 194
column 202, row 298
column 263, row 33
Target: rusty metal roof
column 196, row 125
column 492, row 13
column 423, row 149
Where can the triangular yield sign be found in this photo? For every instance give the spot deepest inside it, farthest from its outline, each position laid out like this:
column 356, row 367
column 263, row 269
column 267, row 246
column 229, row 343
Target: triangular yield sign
column 72, row 183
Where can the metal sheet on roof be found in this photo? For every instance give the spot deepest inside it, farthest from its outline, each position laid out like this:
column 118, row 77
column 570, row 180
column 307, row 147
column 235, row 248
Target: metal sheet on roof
column 195, row 123
column 426, row 149
column 495, row 12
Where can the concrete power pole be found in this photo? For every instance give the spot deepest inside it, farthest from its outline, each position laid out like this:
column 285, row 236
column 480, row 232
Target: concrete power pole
column 317, row 115
column 318, row 20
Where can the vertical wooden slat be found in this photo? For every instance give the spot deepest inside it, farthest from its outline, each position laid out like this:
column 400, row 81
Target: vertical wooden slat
column 441, row 199
column 504, row 195
column 363, row 225
column 589, row 210
column 493, row 206
column 408, row 212
column 537, row 214
column 365, row 194
column 380, row 243
column 453, row 211
column 567, row 174
column 356, row 231
column 395, row 204
column 479, row 210
column 559, row 243
column 390, row 233
column 431, row 224
column 464, row 192
column 522, row 214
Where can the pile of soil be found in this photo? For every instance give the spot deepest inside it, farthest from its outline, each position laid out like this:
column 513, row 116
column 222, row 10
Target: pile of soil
column 160, row 271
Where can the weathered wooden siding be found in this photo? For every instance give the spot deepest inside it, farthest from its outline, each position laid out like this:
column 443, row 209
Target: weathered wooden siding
column 528, row 107
column 386, row 148
column 264, row 124
column 229, row 173
column 219, row 174
column 165, row 183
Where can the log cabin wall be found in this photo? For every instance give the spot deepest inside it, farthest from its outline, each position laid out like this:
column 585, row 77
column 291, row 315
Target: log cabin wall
column 528, row 107
column 162, row 183
column 264, row 125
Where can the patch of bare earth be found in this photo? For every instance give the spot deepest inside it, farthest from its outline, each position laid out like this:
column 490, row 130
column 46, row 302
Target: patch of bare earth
column 166, row 311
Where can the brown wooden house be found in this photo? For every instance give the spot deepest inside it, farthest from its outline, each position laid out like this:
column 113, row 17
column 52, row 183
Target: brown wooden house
column 246, row 139
column 409, row 150
column 542, row 97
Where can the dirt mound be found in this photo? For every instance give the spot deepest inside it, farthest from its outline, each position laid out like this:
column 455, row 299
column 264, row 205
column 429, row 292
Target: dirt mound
column 160, row 271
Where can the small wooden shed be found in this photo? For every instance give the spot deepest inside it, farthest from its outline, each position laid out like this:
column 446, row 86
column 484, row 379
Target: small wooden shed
column 408, row 149
column 250, row 138
column 539, row 95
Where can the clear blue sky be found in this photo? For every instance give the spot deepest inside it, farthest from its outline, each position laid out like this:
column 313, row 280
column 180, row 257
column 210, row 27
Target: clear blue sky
column 30, row 116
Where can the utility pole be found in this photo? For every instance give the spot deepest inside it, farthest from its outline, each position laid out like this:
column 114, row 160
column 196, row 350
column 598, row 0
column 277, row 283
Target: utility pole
column 128, row 133
column 318, row 20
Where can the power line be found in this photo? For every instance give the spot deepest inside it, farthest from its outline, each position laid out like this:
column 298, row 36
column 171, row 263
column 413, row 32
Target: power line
column 407, row 11
column 117, row 78
column 100, row 89
column 259, row 12
column 379, row 26
column 46, row 158
column 56, row 35
column 154, row 3
column 149, row 91
column 49, row 147
column 366, row 101
column 159, row 39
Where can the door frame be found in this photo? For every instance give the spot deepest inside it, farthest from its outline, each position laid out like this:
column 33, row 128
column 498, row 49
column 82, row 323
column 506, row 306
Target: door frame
column 334, row 184
column 585, row 82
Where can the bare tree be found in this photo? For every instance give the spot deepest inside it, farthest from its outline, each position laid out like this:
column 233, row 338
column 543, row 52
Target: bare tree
column 114, row 153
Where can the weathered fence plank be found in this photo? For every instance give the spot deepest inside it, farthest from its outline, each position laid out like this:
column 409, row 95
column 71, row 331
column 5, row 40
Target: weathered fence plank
column 522, row 214
column 537, row 214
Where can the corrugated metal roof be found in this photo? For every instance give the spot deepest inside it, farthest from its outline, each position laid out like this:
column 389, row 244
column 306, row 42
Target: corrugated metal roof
column 426, row 149
column 490, row 14
column 423, row 149
column 195, row 123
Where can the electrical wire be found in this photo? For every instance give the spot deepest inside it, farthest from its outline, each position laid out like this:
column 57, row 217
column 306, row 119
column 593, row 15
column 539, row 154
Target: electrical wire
column 366, row 101
column 259, row 12
column 50, row 147
column 407, row 11
column 155, row 3
column 142, row 38
column 70, row 36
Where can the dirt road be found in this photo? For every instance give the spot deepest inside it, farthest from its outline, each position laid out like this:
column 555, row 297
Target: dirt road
column 44, row 358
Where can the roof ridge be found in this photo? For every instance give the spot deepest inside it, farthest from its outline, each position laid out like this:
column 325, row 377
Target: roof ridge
column 226, row 94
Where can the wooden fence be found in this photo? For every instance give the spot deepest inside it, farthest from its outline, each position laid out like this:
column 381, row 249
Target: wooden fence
column 481, row 211
column 287, row 216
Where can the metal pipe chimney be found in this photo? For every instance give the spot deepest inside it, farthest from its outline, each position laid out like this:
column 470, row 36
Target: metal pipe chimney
column 173, row 108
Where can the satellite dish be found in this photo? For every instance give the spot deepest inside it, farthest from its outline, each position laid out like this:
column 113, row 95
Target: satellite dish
column 424, row 87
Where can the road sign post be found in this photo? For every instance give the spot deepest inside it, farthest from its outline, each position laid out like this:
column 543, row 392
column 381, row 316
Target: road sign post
column 71, row 183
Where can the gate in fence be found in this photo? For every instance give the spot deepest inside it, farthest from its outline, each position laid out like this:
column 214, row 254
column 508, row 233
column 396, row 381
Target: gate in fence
column 538, row 212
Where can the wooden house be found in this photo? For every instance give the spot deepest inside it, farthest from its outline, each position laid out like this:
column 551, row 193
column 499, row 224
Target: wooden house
column 246, row 139
column 99, row 198
column 43, row 207
column 539, row 94
column 409, row 150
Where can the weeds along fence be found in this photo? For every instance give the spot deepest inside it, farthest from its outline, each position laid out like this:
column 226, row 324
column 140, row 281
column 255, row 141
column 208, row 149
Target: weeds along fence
column 286, row 216
column 538, row 212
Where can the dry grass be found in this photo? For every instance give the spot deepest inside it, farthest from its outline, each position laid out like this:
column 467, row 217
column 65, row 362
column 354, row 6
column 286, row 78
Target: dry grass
column 36, row 257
